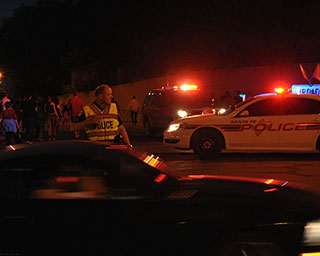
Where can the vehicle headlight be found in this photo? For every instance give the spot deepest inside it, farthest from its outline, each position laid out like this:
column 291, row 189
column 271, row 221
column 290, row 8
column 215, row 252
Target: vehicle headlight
column 176, row 126
column 311, row 233
column 221, row 111
column 182, row 113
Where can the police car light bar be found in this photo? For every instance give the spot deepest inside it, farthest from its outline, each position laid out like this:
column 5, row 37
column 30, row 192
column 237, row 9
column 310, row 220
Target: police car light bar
column 184, row 87
column 306, row 89
column 188, row 87
column 279, row 90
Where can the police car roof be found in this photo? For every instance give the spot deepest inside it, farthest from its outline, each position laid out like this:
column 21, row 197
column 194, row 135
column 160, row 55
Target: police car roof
column 295, row 95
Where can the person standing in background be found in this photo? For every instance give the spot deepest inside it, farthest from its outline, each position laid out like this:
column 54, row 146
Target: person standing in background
column 52, row 118
column 40, row 118
column 29, row 115
column 134, row 108
column 9, row 123
column 66, row 120
column 75, row 105
column 4, row 100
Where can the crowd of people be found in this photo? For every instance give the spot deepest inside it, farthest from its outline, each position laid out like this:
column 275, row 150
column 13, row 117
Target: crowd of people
column 37, row 118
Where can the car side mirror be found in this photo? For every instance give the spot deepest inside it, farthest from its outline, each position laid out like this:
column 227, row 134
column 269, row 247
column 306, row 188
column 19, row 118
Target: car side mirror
column 244, row 113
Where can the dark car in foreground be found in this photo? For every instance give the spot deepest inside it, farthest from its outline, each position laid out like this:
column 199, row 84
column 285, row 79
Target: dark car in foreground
column 85, row 198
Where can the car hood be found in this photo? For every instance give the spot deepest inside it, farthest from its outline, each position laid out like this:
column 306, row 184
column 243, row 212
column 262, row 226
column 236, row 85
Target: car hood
column 268, row 193
column 203, row 119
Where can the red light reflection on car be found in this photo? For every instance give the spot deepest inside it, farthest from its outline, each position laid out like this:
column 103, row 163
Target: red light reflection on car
column 67, row 179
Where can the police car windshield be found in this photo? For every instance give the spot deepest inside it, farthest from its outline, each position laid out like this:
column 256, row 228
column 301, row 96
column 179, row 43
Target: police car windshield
column 234, row 107
column 194, row 98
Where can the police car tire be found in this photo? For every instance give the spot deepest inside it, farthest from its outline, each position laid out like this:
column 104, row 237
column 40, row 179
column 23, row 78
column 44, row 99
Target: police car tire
column 206, row 143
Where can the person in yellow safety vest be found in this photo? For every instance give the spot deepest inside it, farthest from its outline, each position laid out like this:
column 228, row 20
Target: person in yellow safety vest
column 100, row 119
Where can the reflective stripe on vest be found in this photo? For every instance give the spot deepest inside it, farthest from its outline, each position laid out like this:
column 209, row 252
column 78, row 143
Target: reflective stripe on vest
column 107, row 127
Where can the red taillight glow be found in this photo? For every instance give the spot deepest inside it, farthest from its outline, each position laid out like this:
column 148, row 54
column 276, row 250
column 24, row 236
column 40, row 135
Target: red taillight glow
column 161, row 177
column 270, row 190
column 67, row 179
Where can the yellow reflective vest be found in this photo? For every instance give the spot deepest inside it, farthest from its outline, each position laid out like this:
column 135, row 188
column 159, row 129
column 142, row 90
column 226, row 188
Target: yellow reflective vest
column 107, row 128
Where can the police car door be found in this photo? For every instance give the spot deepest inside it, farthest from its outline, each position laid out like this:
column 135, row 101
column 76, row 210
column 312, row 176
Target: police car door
column 300, row 123
column 159, row 110
column 256, row 126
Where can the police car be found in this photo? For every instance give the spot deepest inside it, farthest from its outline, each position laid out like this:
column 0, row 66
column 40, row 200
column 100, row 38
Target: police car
column 162, row 106
column 266, row 122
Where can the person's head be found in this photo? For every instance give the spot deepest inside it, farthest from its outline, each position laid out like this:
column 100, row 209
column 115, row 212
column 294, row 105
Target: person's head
column 75, row 93
column 7, row 104
column 103, row 94
column 49, row 98
column 133, row 97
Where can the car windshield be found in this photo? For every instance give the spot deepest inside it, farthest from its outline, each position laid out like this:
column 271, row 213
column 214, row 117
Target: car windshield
column 237, row 106
column 194, row 98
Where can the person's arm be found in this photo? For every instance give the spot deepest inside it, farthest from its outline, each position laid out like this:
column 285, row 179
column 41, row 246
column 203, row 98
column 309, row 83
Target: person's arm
column 85, row 121
column 54, row 108
column 122, row 130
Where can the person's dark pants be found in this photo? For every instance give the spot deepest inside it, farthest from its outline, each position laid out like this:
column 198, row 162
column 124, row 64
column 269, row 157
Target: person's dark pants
column 11, row 138
column 134, row 117
column 30, row 123
column 40, row 128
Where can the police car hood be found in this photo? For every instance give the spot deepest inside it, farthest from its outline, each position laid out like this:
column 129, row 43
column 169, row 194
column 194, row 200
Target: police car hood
column 204, row 119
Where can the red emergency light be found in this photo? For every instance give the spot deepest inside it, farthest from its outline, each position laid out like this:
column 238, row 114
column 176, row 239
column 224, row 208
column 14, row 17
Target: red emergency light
column 183, row 87
column 188, row 87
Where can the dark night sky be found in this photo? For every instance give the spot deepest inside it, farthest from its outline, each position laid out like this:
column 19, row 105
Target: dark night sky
column 7, row 6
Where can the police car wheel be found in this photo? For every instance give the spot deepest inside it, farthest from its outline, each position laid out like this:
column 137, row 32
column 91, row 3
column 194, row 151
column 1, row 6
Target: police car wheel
column 206, row 143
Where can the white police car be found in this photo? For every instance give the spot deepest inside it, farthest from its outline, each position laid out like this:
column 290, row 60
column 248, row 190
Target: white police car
column 266, row 122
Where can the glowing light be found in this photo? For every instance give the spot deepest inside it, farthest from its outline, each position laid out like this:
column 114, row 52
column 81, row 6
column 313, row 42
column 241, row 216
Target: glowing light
column 12, row 147
column 221, row 111
column 150, row 160
column 243, row 96
column 310, row 254
column 279, row 90
column 173, row 127
column 269, row 181
column 161, row 177
column 270, row 190
column 182, row 113
column 188, row 87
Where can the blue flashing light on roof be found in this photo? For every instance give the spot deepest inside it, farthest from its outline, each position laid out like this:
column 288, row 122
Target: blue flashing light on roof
column 306, row 89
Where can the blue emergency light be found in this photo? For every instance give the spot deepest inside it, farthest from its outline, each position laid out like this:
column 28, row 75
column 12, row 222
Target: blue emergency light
column 306, row 89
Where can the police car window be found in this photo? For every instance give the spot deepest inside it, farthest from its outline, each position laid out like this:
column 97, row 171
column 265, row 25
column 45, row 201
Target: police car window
column 296, row 106
column 267, row 107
